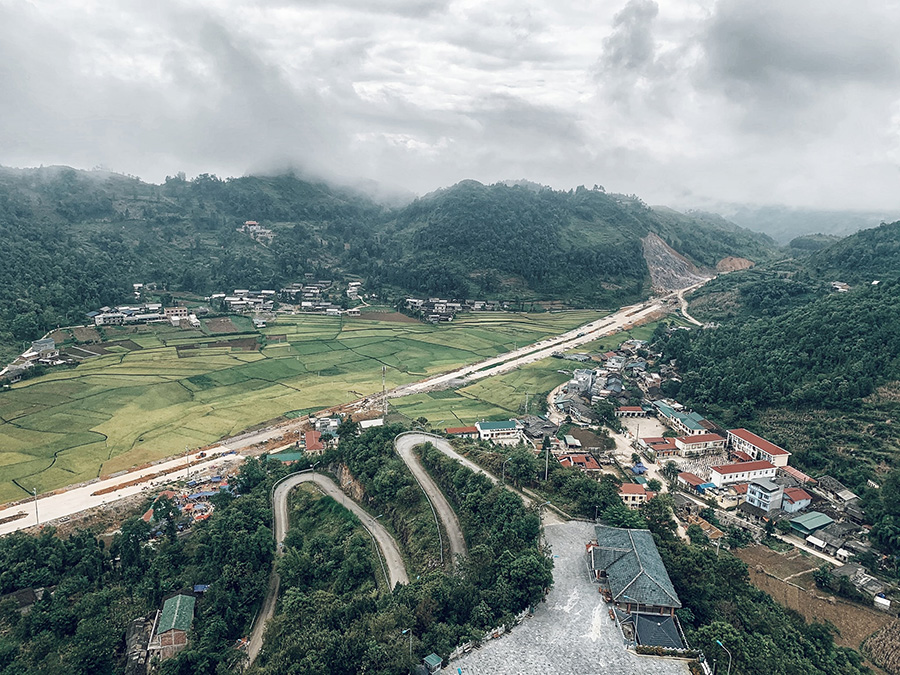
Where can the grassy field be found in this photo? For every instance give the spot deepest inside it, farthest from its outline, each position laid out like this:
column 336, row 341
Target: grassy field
column 174, row 388
column 502, row 396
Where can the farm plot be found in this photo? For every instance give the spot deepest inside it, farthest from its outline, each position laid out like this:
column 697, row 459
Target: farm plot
column 159, row 389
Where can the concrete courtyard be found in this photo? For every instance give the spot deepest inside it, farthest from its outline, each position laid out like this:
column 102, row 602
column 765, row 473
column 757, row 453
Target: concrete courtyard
column 571, row 633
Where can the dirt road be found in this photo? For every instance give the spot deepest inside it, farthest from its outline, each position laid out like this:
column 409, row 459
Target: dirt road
column 404, row 444
column 418, row 438
column 684, row 306
column 396, row 570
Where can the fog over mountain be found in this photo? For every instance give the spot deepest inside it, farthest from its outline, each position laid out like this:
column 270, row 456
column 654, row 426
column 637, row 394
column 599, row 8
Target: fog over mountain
column 691, row 103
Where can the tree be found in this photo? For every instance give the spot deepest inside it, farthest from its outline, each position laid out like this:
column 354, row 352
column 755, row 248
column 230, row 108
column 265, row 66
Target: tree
column 654, row 485
column 696, row 534
column 635, row 458
column 770, row 528
column 670, row 471
column 522, row 466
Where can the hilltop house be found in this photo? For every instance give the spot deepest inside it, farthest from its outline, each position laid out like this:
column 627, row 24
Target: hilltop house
column 174, row 622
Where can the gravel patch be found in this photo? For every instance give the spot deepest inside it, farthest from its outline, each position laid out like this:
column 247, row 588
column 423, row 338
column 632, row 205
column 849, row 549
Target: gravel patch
column 569, row 633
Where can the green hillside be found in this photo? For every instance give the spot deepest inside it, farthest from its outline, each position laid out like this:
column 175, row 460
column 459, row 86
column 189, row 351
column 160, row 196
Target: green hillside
column 76, row 240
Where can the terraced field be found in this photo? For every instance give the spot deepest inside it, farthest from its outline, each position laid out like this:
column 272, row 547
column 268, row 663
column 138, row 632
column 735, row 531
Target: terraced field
column 172, row 388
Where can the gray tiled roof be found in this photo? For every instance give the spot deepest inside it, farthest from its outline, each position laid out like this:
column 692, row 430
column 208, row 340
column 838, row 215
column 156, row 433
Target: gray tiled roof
column 633, row 567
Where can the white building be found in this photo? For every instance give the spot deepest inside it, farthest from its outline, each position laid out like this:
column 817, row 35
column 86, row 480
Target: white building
column 699, row 444
column 741, row 473
column 764, row 494
column 502, row 433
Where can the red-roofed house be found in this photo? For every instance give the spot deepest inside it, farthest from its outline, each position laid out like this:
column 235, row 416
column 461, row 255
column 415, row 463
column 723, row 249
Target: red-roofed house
column 583, row 462
column 699, row 444
column 660, row 447
column 742, row 472
column 690, row 480
column 630, row 411
column 633, row 495
column 463, row 432
column 313, row 440
column 742, row 456
column 148, row 515
column 795, row 499
column 739, row 488
column 757, row 447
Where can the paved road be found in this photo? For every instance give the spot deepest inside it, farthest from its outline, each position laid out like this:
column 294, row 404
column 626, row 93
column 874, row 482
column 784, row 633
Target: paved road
column 55, row 506
column 386, row 543
column 404, row 445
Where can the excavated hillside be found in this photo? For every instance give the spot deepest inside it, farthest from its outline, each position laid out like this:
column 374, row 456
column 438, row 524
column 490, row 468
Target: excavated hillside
column 669, row 270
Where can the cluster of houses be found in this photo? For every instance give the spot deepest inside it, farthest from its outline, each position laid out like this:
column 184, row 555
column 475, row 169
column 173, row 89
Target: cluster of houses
column 41, row 352
column 257, row 232
column 244, row 300
column 438, row 310
column 150, row 312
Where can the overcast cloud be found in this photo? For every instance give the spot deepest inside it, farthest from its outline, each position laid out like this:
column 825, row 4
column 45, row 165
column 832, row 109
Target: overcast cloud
column 683, row 102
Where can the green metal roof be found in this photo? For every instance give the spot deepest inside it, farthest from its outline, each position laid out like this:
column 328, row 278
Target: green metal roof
column 288, row 456
column 177, row 613
column 496, row 426
column 433, row 660
column 811, row 521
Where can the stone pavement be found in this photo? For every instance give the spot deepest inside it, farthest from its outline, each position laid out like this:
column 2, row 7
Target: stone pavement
column 571, row 633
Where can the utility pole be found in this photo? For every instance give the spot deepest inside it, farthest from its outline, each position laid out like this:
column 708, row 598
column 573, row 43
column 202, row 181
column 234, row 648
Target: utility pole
column 187, row 461
column 36, row 516
column 383, row 393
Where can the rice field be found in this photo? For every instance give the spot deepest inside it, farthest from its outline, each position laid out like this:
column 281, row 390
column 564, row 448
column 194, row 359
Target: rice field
column 175, row 390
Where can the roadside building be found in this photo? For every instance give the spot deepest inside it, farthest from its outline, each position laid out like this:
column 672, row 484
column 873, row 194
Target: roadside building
column 501, row 433
column 809, row 523
column 757, row 447
column 740, row 473
column 462, row 432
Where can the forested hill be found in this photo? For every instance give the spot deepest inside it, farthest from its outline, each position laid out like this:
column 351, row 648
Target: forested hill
column 866, row 256
column 584, row 245
column 75, row 240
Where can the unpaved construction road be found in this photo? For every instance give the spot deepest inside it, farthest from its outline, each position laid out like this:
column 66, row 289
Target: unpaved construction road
column 389, row 550
column 404, row 444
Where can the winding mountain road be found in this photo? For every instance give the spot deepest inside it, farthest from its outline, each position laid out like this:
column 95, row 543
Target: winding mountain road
column 404, row 444
column 396, row 570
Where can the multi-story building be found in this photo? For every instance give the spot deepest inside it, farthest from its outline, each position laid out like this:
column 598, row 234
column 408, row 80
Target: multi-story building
column 699, row 444
column 765, row 494
column 757, row 447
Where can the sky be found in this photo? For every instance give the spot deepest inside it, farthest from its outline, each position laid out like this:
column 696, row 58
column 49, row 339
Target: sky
column 688, row 103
